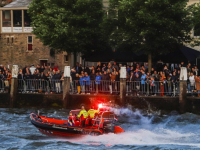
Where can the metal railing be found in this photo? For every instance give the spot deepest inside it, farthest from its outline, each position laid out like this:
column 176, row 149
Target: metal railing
column 4, row 84
column 159, row 88
column 39, row 86
column 87, row 87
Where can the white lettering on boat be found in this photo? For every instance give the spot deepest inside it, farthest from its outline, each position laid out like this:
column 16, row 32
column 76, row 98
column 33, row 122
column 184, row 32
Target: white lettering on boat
column 54, row 126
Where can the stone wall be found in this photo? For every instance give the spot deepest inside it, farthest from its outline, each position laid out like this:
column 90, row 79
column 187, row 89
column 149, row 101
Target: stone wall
column 15, row 51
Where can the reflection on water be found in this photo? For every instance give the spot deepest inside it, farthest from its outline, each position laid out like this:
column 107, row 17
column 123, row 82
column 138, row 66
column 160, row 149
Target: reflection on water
column 143, row 131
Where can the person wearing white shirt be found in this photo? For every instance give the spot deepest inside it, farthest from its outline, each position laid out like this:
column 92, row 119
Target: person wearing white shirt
column 192, row 82
column 32, row 69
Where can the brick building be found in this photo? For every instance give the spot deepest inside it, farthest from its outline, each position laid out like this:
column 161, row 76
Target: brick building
column 18, row 45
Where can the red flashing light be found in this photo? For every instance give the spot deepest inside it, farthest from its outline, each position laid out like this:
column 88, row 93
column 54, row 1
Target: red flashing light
column 100, row 105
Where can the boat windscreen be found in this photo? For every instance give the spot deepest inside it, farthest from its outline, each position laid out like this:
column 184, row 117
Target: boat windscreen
column 74, row 112
column 107, row 115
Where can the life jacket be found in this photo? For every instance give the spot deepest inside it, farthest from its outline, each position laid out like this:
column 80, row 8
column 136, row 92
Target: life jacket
column 83, row 113
column 92, row 112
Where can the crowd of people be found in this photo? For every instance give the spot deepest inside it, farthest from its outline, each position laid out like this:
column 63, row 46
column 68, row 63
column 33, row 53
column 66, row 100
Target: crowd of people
column 31, row 73
column 162, row 79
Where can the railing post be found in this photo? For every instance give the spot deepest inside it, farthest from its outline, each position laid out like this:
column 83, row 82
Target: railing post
column 123, row 85
column 66, row 86
column 183, row 89
column 14, row 85
column 147, row 88
column 174, row 89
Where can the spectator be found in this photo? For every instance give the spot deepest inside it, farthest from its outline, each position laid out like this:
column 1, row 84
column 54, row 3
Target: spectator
column 78, row 84
column 57, row 81
column 128, row 69
column 104, row 68
column 169, row 83
column 143, row 78
column 9, row 76
column 99, row 67
column 197, row 80
column 92, row 75
column 98, row 82
column 50, row 72
column 131, row 70
column 137, row 72
column 77, row 68
column 87, row 83
column 1, row 68
column 137, row 79
column 82, row 84
column 5, row 74
column 152, row 71
column 1, row 81
column 73, row 77
column 32, row 69
column 73, row 74
column 87, row 70
column 109, row 70
column 46, row 70
column 20, row 75
column 104, row 81
column 55, row 67
column 112, row 86
column 42, row 69
column 191, row 82
column 92, row 69
column 115, row 66
column 152, row 86
column 196, row 70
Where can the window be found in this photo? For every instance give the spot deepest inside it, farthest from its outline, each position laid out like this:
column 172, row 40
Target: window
column 65, row 58
column 17, row 18
column 12, row 39
column 30, row 43
column 8, row 38
column 27, row 20
column 6, row 18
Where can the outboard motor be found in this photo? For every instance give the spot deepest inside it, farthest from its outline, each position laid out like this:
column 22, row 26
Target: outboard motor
column 108, row 124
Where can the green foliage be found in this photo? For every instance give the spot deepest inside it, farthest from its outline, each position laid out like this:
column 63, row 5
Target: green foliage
column 68, row 25
column 195, row 8
column 152, row 26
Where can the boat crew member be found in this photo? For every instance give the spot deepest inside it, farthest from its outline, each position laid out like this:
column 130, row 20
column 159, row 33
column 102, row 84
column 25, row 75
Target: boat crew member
column 82, row 115
column 91, row 114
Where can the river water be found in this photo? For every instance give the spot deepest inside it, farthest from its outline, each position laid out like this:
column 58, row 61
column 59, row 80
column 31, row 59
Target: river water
column 143, row 131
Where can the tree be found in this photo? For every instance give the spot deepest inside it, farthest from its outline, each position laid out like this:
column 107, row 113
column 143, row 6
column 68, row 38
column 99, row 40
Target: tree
column 68, row 25
column 195, row 8
column 153, row 26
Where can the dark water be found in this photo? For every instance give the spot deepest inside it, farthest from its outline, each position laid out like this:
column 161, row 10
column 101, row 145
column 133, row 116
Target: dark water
column 143, row 131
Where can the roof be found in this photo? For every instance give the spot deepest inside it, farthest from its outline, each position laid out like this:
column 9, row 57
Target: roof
column 19, row 3
column 25, row 3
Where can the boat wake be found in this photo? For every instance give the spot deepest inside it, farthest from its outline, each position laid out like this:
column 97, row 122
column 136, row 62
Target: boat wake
column 168, row 131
